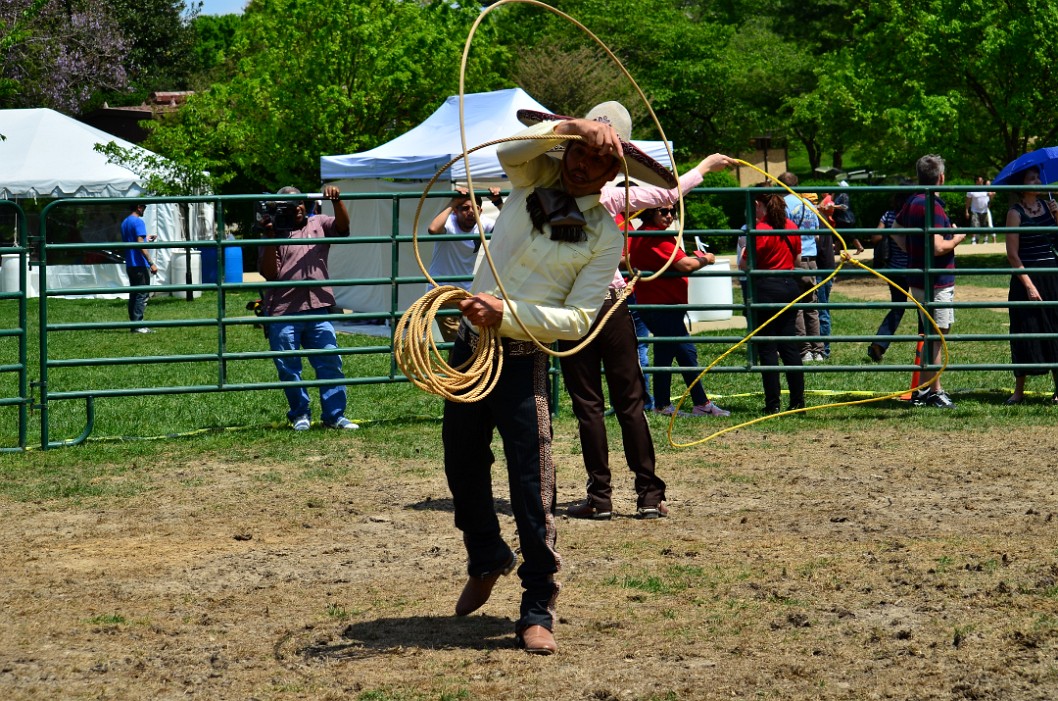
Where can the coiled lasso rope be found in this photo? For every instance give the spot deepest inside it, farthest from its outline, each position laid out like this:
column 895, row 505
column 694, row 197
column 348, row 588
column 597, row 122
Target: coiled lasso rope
column 414, row 348
column 845, row 258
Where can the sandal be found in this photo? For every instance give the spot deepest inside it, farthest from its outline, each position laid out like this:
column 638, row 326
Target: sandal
column 1014, row 400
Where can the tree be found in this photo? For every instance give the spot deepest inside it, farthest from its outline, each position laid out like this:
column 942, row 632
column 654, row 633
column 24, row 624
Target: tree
column 161, row 175
column 315, row 79
column 969, row 79
column 213, row 50
column 58, row 53
column 671, row 53
column 160, row 42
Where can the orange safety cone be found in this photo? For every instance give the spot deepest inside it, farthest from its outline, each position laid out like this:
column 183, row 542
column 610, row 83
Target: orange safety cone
column 915, row 381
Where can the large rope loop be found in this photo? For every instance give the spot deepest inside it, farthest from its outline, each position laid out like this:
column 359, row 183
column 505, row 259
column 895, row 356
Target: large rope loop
column 414, row 348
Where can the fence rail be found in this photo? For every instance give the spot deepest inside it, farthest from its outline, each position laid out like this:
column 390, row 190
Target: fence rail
column 69, row 368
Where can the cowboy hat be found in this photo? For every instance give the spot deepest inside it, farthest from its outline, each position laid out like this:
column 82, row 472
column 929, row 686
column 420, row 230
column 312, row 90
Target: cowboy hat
column 640, row 166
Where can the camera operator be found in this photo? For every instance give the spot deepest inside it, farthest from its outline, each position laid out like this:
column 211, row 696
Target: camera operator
column 295, row 262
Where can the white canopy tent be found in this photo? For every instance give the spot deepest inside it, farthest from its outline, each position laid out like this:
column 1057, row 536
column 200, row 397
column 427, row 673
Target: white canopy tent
column 406, row 164
column 46, row 154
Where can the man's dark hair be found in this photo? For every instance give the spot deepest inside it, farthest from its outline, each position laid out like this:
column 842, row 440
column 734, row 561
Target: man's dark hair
column 788, row 179
column 930, row 167
column 136, row 205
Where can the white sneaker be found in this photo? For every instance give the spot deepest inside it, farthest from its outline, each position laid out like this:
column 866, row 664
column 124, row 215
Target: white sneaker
column 807, row 357
column 670, row 410
column 142, row 329
column 302, row 423
column 819, row 357
column 709, row 409
column 342, row 423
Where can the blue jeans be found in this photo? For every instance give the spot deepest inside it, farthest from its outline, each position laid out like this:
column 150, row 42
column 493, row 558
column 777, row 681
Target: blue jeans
column 666, row 323
column 823, row 297
column 292, row 335
column 138, row 275
column 518, row 408
column 644, row 356
column 892, row 320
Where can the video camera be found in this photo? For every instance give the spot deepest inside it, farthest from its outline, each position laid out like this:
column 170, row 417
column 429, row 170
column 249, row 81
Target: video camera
column 282, row 215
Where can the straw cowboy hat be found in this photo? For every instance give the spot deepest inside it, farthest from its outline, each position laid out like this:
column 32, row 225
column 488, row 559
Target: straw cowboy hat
column 640, row 166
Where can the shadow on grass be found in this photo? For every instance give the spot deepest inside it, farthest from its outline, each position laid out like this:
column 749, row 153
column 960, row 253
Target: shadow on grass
column 503, row 506
column 384, row 636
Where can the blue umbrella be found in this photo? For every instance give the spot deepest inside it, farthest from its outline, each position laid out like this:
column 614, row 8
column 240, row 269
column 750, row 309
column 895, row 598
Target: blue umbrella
column 1045, row 159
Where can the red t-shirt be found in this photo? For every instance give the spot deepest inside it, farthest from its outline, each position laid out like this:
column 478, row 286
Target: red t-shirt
column 771, row 252
column 651, row 253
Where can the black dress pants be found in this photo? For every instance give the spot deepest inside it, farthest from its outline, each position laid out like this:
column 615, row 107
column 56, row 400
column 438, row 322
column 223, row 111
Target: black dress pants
column 616, row 349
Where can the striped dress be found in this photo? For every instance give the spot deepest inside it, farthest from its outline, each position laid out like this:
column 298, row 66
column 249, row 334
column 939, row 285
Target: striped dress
column 1036, row 251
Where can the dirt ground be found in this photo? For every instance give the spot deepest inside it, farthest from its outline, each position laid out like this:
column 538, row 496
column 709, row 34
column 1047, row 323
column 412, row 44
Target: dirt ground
column 815, row 565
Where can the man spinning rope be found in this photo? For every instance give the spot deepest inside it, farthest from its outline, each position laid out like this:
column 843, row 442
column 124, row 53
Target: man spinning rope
column 555, row 249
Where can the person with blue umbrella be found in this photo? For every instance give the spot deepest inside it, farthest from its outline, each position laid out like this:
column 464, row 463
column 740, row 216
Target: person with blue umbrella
column 1034, row 255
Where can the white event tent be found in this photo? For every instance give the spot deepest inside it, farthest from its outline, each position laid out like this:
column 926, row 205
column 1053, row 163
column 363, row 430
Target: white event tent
column 46, row 154
column 406, row 164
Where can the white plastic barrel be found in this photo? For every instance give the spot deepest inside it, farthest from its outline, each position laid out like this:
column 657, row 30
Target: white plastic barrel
column 9, row 276
column 711, row 290
column 178, row 272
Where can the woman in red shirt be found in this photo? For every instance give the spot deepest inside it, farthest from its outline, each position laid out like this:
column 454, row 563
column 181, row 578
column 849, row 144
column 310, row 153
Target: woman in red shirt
column 651, row 253
column 775, row 252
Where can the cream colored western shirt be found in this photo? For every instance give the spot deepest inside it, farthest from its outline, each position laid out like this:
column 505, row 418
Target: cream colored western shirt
column 555, row 287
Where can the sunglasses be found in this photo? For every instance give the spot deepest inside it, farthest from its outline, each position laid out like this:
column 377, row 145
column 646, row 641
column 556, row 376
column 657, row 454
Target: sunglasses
column 668, row 212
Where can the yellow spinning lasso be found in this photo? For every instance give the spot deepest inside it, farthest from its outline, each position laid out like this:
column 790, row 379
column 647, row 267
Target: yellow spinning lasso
column 845, row 258
column 424, row 365
column 414, row 348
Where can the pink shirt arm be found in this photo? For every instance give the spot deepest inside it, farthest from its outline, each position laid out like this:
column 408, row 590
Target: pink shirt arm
column 646, row 196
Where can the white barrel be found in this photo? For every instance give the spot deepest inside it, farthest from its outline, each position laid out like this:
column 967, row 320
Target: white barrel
column 711, row 290
column 10, row 274
column 178, row 271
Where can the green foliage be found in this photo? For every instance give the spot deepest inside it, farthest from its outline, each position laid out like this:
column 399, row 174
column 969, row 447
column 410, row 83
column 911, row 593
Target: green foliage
column 161, row 44
column 214, row 55
column 316, row 79
column 715, row 211
column 970, row 79
column 163, row 176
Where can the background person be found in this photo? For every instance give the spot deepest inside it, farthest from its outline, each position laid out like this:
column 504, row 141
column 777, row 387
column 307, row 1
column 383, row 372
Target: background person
column 451, row 258
column 895, row 258
column 806, row 220
column 826, row 249
column 651, row 253
column 912, row 215
column 138, row 264
column 305, row 261
column 977, row 213
column 1029, row 251
column 776, row 252
column 615, row 349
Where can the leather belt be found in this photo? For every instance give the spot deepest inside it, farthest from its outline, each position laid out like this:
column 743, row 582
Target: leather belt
column 511, row 347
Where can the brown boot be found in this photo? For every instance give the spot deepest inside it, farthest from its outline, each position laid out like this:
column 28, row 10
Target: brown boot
column 537, row 640
column 478, row 589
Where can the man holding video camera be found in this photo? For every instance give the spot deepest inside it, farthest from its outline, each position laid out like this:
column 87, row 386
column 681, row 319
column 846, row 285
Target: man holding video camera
column 294, row 262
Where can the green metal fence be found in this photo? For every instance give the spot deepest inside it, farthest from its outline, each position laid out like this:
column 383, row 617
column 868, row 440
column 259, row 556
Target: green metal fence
column 13, row 328
column 59, row 352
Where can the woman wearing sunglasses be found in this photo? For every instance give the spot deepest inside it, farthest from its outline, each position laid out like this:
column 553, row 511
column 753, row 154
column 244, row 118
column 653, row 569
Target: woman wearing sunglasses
column 650, row 253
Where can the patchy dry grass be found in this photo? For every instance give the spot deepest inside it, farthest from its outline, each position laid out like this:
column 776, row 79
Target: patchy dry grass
column 900, row 564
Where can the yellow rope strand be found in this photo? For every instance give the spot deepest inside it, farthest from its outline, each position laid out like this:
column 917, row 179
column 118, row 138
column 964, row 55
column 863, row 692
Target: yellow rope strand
column 415, row 350
column 844, row 258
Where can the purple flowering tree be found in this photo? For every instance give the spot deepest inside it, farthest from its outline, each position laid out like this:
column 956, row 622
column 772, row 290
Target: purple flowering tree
column 57, row 53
